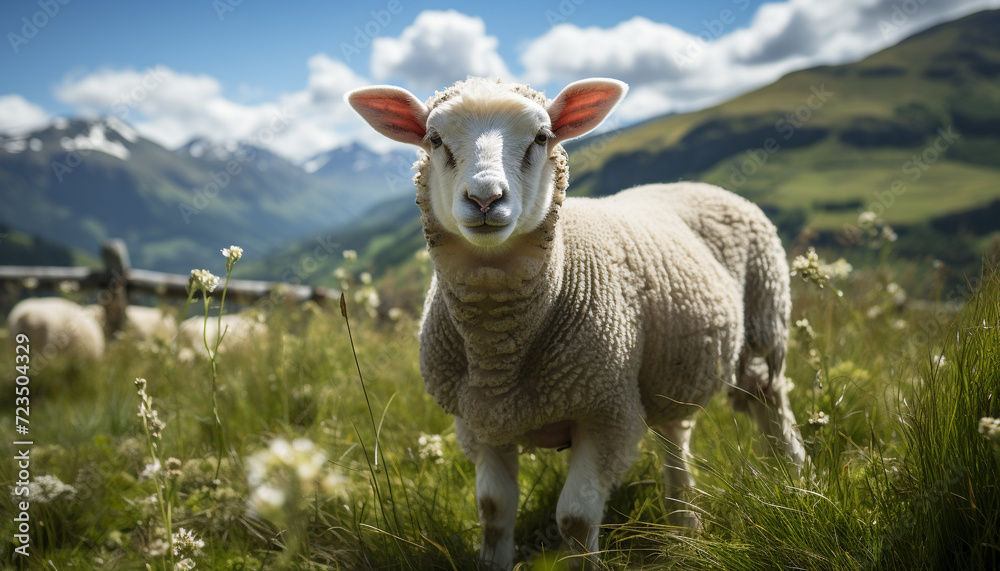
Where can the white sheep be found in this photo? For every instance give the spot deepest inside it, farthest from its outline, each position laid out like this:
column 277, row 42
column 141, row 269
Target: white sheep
column 57, row 326
column 240, row 330
column 147, row 323
column 579, row 322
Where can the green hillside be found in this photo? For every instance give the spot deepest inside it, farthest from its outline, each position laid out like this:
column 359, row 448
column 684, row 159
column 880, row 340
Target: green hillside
column 832, row 140
column 814, row 149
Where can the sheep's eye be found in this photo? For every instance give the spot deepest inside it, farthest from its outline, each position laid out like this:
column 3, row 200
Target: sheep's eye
column 435, row 140
column 541, row 138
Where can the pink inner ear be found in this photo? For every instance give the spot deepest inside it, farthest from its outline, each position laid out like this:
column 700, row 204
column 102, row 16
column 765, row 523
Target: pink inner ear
column 583, row 107
column 393, row 113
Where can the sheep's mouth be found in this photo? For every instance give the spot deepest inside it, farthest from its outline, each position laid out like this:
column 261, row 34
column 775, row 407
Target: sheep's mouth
column 485, row 227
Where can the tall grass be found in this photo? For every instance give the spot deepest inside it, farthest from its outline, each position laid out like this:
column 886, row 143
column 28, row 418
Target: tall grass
column 899, row 475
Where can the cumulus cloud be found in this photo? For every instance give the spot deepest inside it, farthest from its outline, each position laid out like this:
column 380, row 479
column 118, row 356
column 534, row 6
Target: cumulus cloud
column 438, row 49
column 673, row 70
column 19, row 116
column 171, row 107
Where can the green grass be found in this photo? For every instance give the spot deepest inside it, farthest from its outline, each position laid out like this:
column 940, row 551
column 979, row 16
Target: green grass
column 899, row 478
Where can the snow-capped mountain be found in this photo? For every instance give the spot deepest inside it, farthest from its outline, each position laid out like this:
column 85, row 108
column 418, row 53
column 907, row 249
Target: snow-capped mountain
column 77, row 182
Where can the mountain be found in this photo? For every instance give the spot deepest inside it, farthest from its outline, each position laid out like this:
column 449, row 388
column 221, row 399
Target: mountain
column 78, row 182
column 911, row 132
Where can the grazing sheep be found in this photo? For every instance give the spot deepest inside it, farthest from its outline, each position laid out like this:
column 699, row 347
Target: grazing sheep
column 241, row 330
column 148, row 323
column 57, row 326
column 579, row 322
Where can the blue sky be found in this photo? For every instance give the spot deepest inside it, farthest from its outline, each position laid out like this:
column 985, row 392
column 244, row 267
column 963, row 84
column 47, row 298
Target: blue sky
column 221, row 67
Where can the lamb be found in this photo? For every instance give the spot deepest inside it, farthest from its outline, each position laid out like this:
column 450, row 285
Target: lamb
column 577, row 322
column 57, row 326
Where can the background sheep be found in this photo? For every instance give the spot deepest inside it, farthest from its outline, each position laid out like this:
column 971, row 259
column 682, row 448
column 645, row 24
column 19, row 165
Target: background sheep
column 579, row 322
column 56, row 326
column 147, row 323
column 241, row 329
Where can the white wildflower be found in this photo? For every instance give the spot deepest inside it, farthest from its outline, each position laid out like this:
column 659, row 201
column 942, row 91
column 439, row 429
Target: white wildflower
column 431, row 447
column 888, row 234
column 284, row 473
column 897, row 293
column 186, row 544
column 151, row 470
column 396, row 313
column 899, row 324
column 366, row 278
column 837, row 270
column 990, row 428
column 867, row 219
column 804, row 327
column 30, row 283
column 820, row 419
column 350, row 255
column 423, row 255
column 150, row 417
column 233, row 253
column 873, row 311
column 939, row 361
column 204, row 280
column 67, row 287
column 48, row 488
column 184, row 565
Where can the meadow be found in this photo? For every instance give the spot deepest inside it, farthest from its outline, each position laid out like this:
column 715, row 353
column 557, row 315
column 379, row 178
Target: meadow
column 319, row 449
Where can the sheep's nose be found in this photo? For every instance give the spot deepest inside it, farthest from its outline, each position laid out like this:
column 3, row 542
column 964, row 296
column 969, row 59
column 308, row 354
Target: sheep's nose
column 484, row 205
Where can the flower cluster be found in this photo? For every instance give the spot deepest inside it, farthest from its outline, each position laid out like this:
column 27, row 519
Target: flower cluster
column 187, row 544
column 150, row 418
column 284, row 473
column 48, row 488
column 990, row 428
column 808, row 268
column 431, row 447
column 203, row 280
column 838, row 270
column 819, row 419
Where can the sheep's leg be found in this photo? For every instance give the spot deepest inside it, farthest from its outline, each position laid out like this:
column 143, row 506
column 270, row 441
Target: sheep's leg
column 767, row 402
column 496, row 496
column 598, row 459
column 677, row 479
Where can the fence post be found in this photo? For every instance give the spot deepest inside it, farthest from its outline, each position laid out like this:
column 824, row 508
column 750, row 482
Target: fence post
column 114, row 254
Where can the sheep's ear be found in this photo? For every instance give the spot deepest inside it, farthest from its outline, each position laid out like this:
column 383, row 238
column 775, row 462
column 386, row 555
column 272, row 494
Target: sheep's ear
column 583, row 105
column 392, row 111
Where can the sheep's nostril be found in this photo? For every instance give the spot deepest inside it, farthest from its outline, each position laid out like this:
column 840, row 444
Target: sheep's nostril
column 484, row 206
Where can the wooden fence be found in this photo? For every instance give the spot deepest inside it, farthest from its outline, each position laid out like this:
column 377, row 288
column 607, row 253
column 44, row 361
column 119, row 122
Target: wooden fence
column 118, row 279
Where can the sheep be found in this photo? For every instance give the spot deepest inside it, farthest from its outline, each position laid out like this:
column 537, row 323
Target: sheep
column 57, row 326
column 148, row 323
column 241, row 329
column 579, row 322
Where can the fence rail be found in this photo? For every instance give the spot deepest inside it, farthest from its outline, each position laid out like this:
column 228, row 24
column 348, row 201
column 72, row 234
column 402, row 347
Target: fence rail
column 119, row 279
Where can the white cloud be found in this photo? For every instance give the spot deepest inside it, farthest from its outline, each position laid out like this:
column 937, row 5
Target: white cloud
column 19, row 116
column 672, row 70
column 438, row 49
column 171, row 107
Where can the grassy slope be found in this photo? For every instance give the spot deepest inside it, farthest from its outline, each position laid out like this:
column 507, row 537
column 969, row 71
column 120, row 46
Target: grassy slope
column 918, row 84
column 900, row 478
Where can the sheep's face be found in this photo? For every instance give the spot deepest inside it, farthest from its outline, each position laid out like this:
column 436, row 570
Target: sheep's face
column 491, row 176
column 489, row 147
